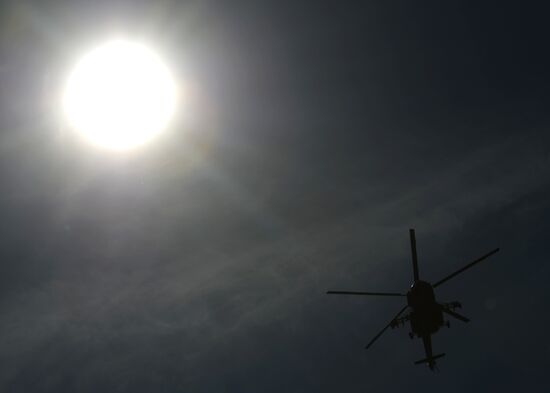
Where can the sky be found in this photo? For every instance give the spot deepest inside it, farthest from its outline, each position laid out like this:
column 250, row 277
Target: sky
column 316, row 134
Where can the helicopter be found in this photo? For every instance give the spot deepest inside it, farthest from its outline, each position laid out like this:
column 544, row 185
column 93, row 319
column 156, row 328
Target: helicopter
column 426, row 314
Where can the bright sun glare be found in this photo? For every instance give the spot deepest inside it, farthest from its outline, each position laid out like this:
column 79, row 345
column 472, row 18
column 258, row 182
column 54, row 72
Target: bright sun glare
column 119, row 95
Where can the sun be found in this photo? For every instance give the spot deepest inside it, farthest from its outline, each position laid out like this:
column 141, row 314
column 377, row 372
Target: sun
column 120, row 95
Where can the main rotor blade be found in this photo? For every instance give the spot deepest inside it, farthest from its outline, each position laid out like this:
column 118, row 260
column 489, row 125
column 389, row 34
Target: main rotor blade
column 364, row 293
column 456, row 315
column 387, row 326
column 414, row 257
column 465, row 267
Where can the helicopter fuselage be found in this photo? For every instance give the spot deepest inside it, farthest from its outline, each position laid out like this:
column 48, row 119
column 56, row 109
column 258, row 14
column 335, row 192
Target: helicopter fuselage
column 427, row 316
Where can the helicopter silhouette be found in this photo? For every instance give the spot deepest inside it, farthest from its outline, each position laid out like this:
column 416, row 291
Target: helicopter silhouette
column 426, row 314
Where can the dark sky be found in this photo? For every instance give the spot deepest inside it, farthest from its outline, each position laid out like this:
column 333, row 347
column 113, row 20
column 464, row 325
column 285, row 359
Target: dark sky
column 319, row 133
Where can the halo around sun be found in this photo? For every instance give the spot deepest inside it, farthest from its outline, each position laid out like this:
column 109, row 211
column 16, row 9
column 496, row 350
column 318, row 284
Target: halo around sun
column 120, row 95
